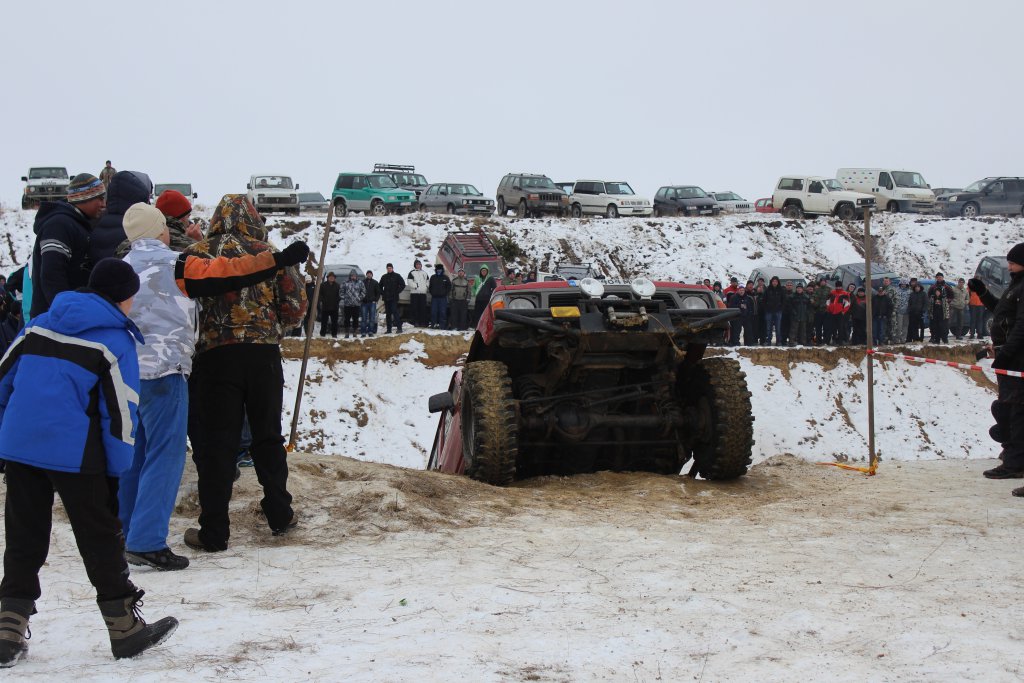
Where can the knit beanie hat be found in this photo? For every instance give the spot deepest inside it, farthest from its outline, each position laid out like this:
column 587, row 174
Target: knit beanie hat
column 173, row 204
column 143, row 221
column 114, row 279
column 1016, row 254
column 85, row 186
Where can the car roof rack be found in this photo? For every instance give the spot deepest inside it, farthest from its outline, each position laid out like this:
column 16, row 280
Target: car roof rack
column 472, row 243
column 393, row 168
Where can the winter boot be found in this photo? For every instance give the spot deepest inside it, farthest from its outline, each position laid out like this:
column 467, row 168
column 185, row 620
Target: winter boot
column 164, row 560
column 14, row 631
column 129, row 634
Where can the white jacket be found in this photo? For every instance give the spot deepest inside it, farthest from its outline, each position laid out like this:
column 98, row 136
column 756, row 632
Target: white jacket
column 417, row 281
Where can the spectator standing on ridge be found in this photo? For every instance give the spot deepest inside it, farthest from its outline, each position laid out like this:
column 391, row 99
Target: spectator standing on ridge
column 107, row 173
column 940, row 295
column 440, row 286
column 881, row 313
column 819, row 303
column 391, row 285
column 352, row 293
column 785, row 315
column 417, row 283
column 60, row 255
column 958, row 309
column 368, row 313
column 746, row 322
column 68, row 409
column 859, row 317
column 773, row 304
column 329, row 304
column 837, row 308
column 482, row 297
column 734, row 285
column 126, row 188
column 460, row 300
column 979, row 317
column 917, row 302
column 237, row 371
column 799, row 306
column 900, row 314
column 762, row 322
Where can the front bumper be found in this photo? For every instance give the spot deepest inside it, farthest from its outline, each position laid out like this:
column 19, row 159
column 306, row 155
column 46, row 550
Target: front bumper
column 475, row 209
column 949, row 209
column 701, row 211
column 545, row 206
column 636, row 210
column 917, row 206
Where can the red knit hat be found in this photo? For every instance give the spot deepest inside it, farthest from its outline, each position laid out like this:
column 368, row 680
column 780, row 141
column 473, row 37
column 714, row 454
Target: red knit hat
column 173, row 204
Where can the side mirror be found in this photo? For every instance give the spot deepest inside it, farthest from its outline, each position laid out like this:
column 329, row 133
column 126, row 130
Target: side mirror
column 248, row 186
column 24, row 179
column 195, row 195
column 439, row 403
column 296, row 186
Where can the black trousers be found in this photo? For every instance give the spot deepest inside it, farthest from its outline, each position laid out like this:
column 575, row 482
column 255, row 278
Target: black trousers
column 746, row 326
column 231, row 382
column 835, row 329
column 939, row 326
column 460, row 310
column 351, row 319
column 90, row 501
column 819, row 326
column 1008, row 409
column 915, row 331
column 329, row 320
column 392, row 314
column 420, row 315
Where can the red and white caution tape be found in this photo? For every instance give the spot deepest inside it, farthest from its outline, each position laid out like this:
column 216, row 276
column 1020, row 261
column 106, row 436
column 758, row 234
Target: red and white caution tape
column 960, row 366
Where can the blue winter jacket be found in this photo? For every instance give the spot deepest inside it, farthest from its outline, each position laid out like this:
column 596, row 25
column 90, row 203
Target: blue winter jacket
column 69, row 388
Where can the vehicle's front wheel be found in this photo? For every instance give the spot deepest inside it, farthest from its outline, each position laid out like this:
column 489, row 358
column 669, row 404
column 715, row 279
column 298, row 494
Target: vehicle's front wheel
column 490, row 432
column 893, row 207
column 423, row 208
column 522, row 211
column 846, row 212
column 25, row 203
column 340, row 208
column 612, row 211
column 657, row 212
column 717, row 390
column 451, row 209
column 502, row 209
column 681, row 212
column 577, row 211
column 377, row 208
column 970, row 210
column 792, row 212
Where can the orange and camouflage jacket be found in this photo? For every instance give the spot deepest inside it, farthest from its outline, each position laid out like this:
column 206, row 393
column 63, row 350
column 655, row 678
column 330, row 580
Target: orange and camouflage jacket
column 260, row 314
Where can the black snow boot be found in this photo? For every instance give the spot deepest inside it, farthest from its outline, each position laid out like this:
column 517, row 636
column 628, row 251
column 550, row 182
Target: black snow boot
column 129, row 634
column 14, row 632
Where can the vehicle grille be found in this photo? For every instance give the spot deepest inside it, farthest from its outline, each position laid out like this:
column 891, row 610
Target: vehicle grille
column 48, row 189
column 564, row 299
column 276, row 200
column 478, row 202
column 550, row 197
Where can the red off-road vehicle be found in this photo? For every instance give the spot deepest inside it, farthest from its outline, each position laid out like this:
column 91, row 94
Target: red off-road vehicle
column 563, row 378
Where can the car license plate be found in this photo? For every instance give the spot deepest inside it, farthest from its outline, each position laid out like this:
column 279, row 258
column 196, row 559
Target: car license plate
column 550, row 203
column 405, row 204
column 615, row 281
column 705, row 211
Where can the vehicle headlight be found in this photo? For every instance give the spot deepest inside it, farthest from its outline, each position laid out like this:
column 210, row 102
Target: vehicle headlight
column 465, row 201
column 642, row 287
column 953, row 198
column 521, row 302
column 261, row 197
column 694, row 303
column 591, row 287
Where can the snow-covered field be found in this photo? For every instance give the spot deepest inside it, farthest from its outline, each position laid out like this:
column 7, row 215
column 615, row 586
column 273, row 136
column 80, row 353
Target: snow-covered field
column 796, row 572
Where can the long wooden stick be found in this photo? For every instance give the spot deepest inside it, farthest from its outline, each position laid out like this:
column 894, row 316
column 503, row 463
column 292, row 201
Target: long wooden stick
column 309, row 328
column 868, row 255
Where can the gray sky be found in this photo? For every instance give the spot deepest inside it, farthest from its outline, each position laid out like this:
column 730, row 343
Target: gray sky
column 726, row 95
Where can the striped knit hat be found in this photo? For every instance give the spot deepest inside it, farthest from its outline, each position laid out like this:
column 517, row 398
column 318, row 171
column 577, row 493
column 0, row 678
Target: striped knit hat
column 85, row 186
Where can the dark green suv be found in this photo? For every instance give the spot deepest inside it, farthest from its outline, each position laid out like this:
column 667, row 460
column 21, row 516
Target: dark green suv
column 371, row 193
column 531, row 194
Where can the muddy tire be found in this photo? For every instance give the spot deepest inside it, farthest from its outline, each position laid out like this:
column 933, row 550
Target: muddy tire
column 377, row 208
column 490, row 434
column 846, row 212
column 792, row 212
column 502, row 209
column 340, row 209
column 522, row 211
column 718, row 388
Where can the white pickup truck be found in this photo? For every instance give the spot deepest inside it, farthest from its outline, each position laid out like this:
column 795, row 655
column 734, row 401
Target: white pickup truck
column 797, row 196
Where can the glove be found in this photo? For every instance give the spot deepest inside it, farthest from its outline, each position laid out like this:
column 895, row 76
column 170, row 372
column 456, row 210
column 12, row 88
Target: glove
column 292, row 255
column 976, row 286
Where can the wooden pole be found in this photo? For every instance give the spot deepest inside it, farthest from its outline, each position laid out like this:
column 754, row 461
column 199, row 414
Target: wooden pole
column 309, row 328
column 870, row 340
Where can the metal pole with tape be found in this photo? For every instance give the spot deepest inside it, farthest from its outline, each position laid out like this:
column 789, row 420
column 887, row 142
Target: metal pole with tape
column 873, row 458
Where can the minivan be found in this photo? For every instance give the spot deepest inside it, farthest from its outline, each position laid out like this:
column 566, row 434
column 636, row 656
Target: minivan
column 894, row 190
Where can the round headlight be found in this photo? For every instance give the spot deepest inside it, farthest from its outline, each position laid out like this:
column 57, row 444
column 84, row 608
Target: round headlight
column 953, row 198
column 521, row 303
column 694, row 303
column 642, row 287
column 591, row 287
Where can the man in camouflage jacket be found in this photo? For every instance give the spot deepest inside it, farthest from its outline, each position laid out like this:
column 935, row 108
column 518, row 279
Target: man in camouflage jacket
column 237, row 370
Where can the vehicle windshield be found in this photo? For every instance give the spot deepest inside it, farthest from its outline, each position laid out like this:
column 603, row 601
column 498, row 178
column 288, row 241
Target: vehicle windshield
column 908, row 179
column 728, row 197
column 618, row 188
column 545, row 183
column 274, row 182
column 40, row 173
column 464, row 189
column 575, row 272
column 978, row 185
column 381, row 181
column 472, row 269
column 691, row 193
column 414, row 179
column 311, row 197
column 183, row 188
column 834, row 185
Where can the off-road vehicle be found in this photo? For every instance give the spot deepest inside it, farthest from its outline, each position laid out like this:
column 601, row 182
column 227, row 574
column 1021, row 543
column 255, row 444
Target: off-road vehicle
column 44, row 184
column 466, row 250
column 530, row 195
column 563, row 379
column 371, row 193
column 405, row 177
column 608, row 199
column 1003, row 195
column 184, row 188
column 273, row 192
column 797, row 196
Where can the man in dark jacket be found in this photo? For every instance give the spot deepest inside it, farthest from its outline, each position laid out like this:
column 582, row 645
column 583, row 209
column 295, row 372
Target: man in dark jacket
column 881, row 316
column 940, row 296
column 439, row 287
column 460, row 300
column 799, row 306
column 745, row 323
column 329, row 303
column 60, row 255
column 917, row 302
column 1007, row 351
column 391, row 285
column 773, row 302
column 484, row 291
column 125, row 189
column 819, row 302
column 368, row 315
column 859, row 317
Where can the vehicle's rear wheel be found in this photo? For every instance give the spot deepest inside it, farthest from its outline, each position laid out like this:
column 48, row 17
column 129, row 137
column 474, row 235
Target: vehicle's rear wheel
column 521, row 211
column 490, row 433
column 502, row 209
column 340, row 208
column 577, row 211
column 680, row 212
column 423, row 208
column 377, row 208
column 792, row 211
column 717, row 389
column 451, row 209
column 846, row 212
column 612, row 211
column 893, row 207
column 970, row 210
column 657, row 212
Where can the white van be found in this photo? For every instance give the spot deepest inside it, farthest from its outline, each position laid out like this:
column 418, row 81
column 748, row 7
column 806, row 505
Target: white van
column 894, row 190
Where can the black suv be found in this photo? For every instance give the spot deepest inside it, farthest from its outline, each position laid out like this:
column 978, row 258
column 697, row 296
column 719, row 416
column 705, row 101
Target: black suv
column 684, row 200
column 530, row 195
column 405, row 177
column 989, row 195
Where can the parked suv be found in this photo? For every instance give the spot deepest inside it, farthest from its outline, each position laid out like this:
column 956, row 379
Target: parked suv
column 608, row 199
column 44, row 183
column 530, row 194
column 184, row 188
column 853, row 274
column 732, row 202
column 269, row 192
column 373, row 193
column 988, row 195
column 455, row 198
column 799, row 195
column 405, row 177
column 684, row 200
column 994, row 272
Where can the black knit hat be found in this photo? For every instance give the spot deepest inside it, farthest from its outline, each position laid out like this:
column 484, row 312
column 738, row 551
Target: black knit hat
column 1016, row 254
column 114, row 279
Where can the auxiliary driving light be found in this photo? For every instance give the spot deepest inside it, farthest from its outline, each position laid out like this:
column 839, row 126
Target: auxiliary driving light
column 591, row 287
column 642, row 287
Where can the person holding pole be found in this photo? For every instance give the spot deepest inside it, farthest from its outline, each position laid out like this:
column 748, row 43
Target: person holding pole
column 1007, row 352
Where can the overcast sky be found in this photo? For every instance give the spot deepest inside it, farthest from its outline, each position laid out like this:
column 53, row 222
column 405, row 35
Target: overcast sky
column 726, row 95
